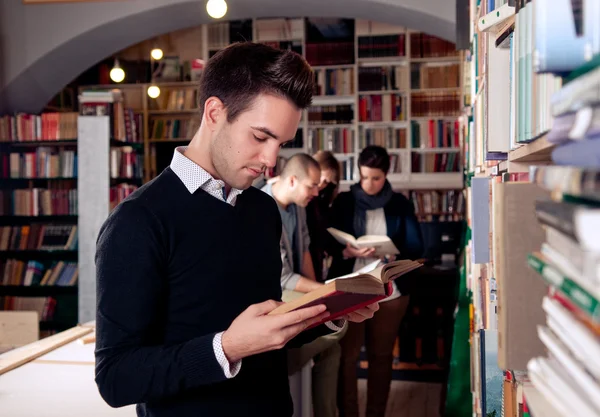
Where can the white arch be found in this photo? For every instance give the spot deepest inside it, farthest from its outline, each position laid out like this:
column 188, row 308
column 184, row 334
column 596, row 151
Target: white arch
column 44, row 47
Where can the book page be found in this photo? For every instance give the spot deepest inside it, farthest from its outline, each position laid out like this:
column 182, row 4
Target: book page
column 364, row 270
column 342, row 237
column 383, row 245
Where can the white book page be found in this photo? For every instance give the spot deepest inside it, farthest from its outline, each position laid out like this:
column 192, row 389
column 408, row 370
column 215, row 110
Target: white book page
column 364, row 270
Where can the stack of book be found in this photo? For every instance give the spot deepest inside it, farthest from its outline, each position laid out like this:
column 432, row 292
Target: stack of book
column 565, row 382
column 576, row 126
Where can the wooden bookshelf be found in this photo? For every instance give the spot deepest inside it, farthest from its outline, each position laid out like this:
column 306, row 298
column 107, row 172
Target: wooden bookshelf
column 346, row 96
column 538, row 150
column 38, row 199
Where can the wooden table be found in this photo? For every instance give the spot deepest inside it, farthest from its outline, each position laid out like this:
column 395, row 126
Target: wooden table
column 54, row 377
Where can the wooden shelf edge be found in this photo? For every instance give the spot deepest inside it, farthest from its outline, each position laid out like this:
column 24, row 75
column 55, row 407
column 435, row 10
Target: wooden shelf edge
column 20, row 356
column 538, row 150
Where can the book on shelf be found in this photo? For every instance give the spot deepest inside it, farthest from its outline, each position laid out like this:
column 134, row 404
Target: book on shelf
column 383, row 244
column 348, row 293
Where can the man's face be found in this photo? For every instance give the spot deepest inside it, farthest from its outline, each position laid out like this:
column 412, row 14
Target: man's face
column 242, row 150
column 304, row 190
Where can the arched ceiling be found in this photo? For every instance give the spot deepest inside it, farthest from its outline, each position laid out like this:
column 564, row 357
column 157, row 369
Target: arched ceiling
column 44, row 47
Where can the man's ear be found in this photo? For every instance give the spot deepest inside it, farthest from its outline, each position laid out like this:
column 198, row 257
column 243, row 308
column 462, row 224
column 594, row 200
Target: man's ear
column 214, row 112
column 293, row 181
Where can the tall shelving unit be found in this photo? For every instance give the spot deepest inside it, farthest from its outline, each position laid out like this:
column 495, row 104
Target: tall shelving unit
column 521, row 280
column 292, row 33
column 38, row 217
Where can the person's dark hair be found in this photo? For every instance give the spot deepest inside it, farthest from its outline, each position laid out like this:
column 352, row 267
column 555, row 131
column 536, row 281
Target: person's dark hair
column 374, row 157
column 299, row 165
column 243, row 70
column 327, row 160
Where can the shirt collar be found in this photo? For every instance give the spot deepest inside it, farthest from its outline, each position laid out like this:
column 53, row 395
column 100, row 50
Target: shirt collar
column 193, row 176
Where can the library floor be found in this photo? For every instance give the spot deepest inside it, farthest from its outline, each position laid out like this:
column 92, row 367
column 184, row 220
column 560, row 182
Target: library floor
column 407, row 399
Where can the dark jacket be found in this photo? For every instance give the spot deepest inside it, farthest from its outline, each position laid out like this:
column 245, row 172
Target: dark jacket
column 402, row 227
column 318, row 214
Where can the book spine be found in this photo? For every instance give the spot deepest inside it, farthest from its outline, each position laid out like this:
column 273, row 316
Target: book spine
column 348, row 310
column 578, row 295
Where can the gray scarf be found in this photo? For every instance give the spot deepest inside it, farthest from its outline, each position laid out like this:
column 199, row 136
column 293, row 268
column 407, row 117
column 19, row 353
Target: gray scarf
column 364, row 202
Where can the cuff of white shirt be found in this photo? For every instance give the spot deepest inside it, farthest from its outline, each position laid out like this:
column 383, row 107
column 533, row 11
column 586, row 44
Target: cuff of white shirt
column 336, row 325
column 229, row 369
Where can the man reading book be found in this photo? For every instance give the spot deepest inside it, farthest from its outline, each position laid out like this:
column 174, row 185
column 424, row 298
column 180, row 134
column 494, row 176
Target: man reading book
column 188, row 266
column 296, row 187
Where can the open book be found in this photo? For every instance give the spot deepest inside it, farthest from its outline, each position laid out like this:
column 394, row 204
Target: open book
column 383, row 245
column 345, row 294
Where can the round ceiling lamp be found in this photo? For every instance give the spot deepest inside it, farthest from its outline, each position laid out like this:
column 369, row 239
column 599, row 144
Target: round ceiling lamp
column 153, row 91
column 116, row 73
column 156, row 54
column 216, row 8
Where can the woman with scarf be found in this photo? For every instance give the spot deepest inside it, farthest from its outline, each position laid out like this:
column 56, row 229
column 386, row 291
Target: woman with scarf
column 371, row 207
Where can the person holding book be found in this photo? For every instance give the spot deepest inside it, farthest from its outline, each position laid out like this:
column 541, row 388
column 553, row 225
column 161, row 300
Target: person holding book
column 188, row 266
column 318, row 212
column 371, row 207
column 298, row 185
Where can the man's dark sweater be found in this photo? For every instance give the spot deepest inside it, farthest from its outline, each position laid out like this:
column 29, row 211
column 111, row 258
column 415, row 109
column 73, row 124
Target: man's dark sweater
column 174, row 269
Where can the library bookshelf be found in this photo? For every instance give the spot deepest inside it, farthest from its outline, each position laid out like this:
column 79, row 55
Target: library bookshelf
column 377, row 84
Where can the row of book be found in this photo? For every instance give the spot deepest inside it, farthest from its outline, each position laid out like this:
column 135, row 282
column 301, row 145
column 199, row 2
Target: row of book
column 126, row 162
column 44, row 162
column 334, row 82
column 119, row 192
column 435, row 134
column 383, row 78
column 55, row 201
column 423, row 45
column 330, row 53
column 576, row 131
column 172, row 128
column 448, row 203
column 442, row 76
column 435, row 162
column 37, row 273
column 387, row 137
column 175, row 99
column 44, row 306
column 382, row 46
column 568, row 377
column 44, row 127
column 435, row 104
column 382, row 107
column 37, row 236
column 338, row 114
column 339, row 140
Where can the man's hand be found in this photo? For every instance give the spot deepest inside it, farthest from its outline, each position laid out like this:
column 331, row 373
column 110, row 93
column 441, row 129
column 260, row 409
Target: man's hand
column 253, row 331
column 352, row 252
column 363, row 314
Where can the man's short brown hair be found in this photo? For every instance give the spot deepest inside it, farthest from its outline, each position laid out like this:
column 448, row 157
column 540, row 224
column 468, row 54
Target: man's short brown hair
column 243, row 70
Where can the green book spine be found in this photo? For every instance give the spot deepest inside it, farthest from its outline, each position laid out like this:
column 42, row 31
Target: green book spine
column 577, row 294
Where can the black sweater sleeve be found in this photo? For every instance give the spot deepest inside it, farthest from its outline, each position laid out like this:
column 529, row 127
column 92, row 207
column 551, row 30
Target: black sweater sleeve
column 132, row 366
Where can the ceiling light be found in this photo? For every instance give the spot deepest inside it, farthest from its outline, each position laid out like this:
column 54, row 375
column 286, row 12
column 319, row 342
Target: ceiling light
column 153, row 91
column 156, row 54
column 116, row 73
column 216, row 8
